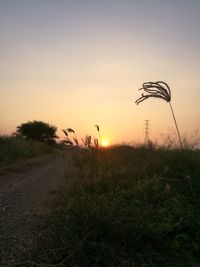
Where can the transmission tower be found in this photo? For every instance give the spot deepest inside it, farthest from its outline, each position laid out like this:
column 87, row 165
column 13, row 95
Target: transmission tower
column 146, row 132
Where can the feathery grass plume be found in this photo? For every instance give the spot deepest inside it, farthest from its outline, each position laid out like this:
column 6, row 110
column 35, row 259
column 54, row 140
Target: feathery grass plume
column 84, row 142
column 70, row 130
column 97, row 126
column 96, row 142
column 159, row 90
column 65, row 132
column 89, row 140
column 67, row 141
column 98, row 130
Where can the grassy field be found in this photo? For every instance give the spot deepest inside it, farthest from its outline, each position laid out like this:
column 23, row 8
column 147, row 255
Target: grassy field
column 126, row 207
column 14, row 148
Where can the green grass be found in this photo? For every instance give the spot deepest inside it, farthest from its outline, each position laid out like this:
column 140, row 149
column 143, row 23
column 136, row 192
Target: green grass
column 126, row 207
column 14, row 148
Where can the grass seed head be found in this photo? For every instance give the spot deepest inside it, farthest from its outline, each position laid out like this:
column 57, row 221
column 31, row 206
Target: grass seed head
column 70, row 130
column 155, row 89
column 65, row 132
column 97, row 126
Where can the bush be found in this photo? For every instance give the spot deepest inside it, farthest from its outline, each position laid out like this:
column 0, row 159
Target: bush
column 37, row 130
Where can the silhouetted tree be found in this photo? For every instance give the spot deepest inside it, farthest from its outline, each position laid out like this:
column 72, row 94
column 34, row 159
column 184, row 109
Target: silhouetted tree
column 37, row 130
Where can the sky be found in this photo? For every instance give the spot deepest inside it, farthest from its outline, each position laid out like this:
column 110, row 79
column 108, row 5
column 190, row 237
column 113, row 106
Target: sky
column 77, row 63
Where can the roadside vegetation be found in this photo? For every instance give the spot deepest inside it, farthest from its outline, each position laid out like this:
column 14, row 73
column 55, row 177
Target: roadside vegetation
column 126, row 206
column 15, row 148
column 31, row 139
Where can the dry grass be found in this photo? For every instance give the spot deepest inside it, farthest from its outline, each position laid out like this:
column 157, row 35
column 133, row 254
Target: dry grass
column 126, row 207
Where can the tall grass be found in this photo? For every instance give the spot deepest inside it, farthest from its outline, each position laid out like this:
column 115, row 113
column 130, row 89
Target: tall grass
column 126, row 207
column 13, row 148
column 159, row 90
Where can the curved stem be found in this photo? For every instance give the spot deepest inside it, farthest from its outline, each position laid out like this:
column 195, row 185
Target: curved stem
column 99, row 137
column 178, row 133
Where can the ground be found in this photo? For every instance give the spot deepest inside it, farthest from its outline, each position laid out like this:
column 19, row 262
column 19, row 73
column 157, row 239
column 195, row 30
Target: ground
column 24, row 186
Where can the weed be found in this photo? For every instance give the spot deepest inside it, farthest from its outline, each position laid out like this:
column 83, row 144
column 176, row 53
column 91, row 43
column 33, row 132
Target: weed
column 159, row 90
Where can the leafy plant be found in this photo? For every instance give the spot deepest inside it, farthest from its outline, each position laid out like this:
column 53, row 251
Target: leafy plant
column 37, row 130
column 159, row 90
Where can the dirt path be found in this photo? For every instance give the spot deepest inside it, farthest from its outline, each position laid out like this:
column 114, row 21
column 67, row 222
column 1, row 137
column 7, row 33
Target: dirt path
column 22, row 193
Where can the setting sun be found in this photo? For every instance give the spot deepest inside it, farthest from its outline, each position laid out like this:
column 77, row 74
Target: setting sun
column 105, row 143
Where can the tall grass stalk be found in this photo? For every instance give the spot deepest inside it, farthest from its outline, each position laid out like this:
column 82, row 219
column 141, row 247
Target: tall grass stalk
column 98, row 130
column 177, row 129
column 159, row 90
column 69, row 141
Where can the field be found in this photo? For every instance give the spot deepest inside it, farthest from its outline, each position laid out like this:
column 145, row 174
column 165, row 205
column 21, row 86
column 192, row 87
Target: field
column 125, row 207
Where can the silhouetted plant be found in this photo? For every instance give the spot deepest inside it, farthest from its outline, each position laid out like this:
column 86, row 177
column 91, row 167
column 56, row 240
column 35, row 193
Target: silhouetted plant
column 84, row 141
column 159, row 90
column 70, row 130
column 65, row 132
column 87, row 141
column 37, row 130
column 98, row 130
column 97, row 126
column 76, row 141
column 67, row 141
column 96, row 142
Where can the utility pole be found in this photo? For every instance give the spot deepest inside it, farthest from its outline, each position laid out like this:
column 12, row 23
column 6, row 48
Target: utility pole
column 146, row 132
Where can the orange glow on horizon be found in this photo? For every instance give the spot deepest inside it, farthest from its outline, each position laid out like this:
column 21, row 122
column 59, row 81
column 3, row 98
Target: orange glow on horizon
column 105, row 142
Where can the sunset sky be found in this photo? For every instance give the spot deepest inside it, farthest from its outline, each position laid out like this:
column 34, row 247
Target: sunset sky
column 77, row 63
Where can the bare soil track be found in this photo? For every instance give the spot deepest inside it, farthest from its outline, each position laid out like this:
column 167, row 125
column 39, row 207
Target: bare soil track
column 23, row 189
